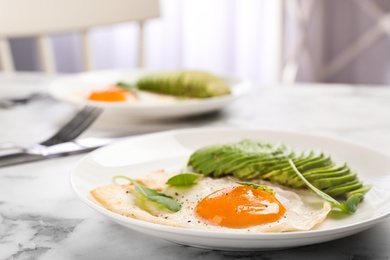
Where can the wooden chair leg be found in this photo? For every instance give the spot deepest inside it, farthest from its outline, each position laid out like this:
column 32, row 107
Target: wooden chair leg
column 45, row 51
column 6, row 61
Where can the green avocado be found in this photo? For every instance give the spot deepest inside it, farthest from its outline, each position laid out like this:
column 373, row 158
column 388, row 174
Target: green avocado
column 192, row 84
column 256, row 159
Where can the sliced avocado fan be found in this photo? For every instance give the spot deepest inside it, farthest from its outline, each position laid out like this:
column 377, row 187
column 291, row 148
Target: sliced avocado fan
column 191, row 84
column 254, row 159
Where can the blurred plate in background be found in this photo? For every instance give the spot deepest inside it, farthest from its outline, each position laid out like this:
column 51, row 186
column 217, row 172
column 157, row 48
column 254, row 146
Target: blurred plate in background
column 75, row 89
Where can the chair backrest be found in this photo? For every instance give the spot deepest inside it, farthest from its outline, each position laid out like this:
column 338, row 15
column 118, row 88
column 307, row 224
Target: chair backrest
column 40, row 18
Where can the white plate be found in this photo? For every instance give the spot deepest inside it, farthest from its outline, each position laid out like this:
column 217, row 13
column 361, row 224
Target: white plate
column 171, row 150
column 75, row 89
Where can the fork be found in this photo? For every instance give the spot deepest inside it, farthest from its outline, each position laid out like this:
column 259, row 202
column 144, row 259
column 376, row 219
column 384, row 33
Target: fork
column 83, row 119
column 11, row 102
column 80, row 122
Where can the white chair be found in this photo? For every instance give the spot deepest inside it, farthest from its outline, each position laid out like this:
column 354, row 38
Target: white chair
column 40, row 18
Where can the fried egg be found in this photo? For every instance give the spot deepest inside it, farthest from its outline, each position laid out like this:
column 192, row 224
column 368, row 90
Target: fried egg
column 220, row 204
column 111, row 94
column 116, row 94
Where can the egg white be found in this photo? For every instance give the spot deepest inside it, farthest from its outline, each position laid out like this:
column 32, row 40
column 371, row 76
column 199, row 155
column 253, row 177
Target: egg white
column 143, row 98
column 304, row 209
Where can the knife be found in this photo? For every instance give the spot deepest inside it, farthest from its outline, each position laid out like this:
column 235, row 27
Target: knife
column 39, row 152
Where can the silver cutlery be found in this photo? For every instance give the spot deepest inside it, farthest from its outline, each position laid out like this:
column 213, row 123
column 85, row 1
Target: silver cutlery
column 72, row 129
column 60, row 143
column 11, row 102
column 77, row 125
column 58, row 150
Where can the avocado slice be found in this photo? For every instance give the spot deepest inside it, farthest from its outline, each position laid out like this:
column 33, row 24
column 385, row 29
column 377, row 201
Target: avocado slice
column 192, row 84
column 257, row 159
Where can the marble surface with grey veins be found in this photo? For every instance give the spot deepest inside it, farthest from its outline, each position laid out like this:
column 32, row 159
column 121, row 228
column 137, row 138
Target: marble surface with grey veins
column 41, row 218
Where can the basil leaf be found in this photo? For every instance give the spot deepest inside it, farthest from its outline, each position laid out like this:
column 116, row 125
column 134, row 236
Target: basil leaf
column 126, row 86
column 184, row 179
column 153, row 195
column 349, row 206
column 166, row 201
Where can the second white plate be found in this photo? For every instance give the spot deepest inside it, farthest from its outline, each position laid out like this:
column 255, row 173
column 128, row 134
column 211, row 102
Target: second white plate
column 75, row 89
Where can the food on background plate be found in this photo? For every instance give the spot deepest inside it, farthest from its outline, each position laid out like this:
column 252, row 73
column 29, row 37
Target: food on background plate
column 112, row 94
column 179, row 84
column 248, row 186
column 192, row 84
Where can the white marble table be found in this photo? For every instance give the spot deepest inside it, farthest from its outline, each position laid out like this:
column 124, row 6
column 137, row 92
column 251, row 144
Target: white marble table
column 41, row 218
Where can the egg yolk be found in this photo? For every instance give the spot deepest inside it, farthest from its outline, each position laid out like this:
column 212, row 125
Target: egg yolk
column 111, row 94
column 240, row 207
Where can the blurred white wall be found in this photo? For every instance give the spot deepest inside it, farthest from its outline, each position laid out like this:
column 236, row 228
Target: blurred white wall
column 239, row 38
column 345, row 22
column 234, row 37
column 343, row 41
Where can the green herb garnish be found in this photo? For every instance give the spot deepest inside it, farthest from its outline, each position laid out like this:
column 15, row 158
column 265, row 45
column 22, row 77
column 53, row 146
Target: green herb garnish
column 153, row 195
column 348, row 206
column 126, row 86
column 184, row 179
